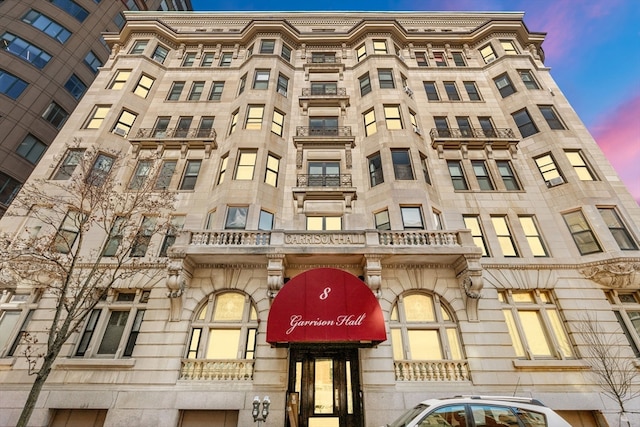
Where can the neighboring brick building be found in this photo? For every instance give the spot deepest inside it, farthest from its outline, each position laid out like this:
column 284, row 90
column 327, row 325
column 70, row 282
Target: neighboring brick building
column 51, row 52
column 376, row 208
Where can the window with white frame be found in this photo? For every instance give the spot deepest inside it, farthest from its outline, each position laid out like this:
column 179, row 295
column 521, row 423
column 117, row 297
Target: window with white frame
column 422, row 327
column 534, row 324
column 138, row 47
column 112, row 328
column 626, row 306
column 225, row 327
column 439, row 59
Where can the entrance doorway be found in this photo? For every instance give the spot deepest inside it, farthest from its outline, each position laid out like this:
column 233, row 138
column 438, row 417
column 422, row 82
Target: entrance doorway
column 327, row 384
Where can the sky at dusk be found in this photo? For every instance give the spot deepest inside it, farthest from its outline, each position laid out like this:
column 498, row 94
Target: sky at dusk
column 592, row 48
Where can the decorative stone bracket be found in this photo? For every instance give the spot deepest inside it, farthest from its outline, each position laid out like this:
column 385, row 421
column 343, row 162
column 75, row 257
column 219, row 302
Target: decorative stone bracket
column 614, row 275
column 373, row 272
column 469, row 274
column 179, row 274
column 275, row 273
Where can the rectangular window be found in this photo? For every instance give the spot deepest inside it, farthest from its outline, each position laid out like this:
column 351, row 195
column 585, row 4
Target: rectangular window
column 11, row 85
column 196, row 91
column 581, row 232
column 464, row 126
column 375, row 169
column 246, row 165
column 190, row 176
column 411, row 218
column 261, row 79
column 24, row 50
column 72, row 8
column 385, row 78
column 254, row 117
column 532, row 234
column 68, row 165
column 115, row 237
column 365, row 84
column 125, row 123
column 580, row 165
column 176, row 91
column 442, row 127
column 100, row 170
column 267, row 46
column 160, row 128
column 189, row 60
column 458, row 59
column 457, row 175
column 509, row 47
column 421, row 59
column 392, row 117
column 31, row 149
column 92, row 61
column 55, row 114
column 414, row 122
column 370, row 126
column 402, row 164
column 223, row 168
column 242, row 84
column 234, row 122
column 551, row 116
column 473, row 224
column 379, row 47
column 324, row 223
column 74, row 86
column 85, row 339
column 143, row 237
column 160, row 54
column 487, row 127
column 143, row 87
column 472, row 91
column 437, row 220
column 265, row 221
column 140, row 175
column 361, row 52
column 432, row 92
column 507, row 245
column 285, row 53
column 236, row 218
column 525, row 123
column 97, row 116
column 175, row 225
column 528, row 80
column 207, row 60
column 626, row 307
column 271, row 173
column 425, row 169
column 508, row 175
column 488, row 54
column 9, row 187
column 225, row 59
column 47, row 25
column 504, row 85
column 165, row 174
column 277, row 123
column 535, row 325
column 138, row 47
column 618, row 230
column 439, row 59
column 283, row 85
column 550, row 173
column 482, row 175
column 216, row 91
column 205, row 128
column 68, row 232
column 382, row 220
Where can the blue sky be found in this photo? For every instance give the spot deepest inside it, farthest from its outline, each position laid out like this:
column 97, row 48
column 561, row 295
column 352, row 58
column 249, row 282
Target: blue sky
column 592, row 48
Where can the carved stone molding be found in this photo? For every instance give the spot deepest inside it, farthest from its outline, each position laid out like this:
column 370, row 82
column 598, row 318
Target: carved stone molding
column 179, row 274
column 275, row 272
column 469, row 273
column 373, row 271
column 614, row 275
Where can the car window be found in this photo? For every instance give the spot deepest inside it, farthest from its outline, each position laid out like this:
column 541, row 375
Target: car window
column 531, row 418
column 495, row 416
column 448, row 416
column 408, row 416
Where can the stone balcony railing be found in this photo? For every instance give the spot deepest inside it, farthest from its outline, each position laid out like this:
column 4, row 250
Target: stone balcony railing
column 317, row 180
column 324, row 91
column 473, row 138
column 216, row 370
column 431, row 370
column 323, row 131
column 177, row 138
column 174, row 133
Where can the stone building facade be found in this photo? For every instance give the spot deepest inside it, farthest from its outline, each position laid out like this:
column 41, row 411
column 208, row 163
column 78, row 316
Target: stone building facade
column 373, row 209
column 51, row 52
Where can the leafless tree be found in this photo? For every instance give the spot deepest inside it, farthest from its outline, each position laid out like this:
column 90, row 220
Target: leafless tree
column 59, row 249
column 611, row 365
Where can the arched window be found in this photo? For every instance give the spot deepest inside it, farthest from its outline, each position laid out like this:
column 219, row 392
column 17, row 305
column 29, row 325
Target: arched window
column 224, row 327
column 422, row 328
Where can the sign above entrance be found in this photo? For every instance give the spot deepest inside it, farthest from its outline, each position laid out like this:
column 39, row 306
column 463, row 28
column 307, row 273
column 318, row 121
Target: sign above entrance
column 325, row 305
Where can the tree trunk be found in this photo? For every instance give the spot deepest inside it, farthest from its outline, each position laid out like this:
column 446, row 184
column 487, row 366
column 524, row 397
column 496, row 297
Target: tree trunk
column 36, row 388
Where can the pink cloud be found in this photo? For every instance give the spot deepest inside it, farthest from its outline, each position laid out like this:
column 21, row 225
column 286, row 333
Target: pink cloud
column 618, row 135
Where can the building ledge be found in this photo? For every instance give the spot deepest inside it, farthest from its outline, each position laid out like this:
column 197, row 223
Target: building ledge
column 551, row 365
column 92, row 364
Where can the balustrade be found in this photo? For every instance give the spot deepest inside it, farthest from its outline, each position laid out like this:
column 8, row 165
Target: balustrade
column 431, row 370
column 216, row 370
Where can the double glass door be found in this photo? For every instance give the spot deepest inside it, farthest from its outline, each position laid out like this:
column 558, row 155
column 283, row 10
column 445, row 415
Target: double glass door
column 327, row 387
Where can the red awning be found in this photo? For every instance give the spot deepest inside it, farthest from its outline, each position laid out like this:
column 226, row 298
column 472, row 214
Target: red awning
column 325, row 305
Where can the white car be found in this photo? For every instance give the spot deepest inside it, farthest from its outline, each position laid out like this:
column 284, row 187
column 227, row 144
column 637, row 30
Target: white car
column 480, row 411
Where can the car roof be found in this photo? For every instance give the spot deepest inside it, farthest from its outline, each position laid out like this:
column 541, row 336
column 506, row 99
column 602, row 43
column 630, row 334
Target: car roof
column 495, row 399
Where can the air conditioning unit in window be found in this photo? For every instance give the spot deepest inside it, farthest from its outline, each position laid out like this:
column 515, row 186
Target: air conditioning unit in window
column 555, row 181
column 120, row 131
column 408, row 91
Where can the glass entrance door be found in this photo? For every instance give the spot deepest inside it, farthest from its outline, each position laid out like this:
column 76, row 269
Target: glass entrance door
column 328, row 387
